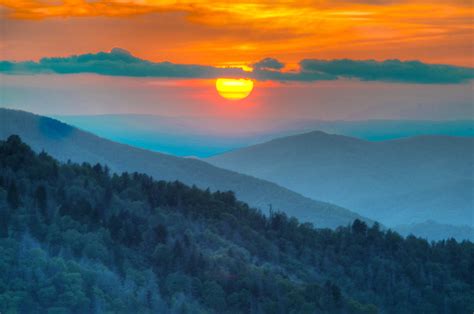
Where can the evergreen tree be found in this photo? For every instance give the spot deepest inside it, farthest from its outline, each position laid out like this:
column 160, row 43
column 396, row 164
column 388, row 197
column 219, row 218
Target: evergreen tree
column 41, row 200
column 160, row 233
column 4, row 221
column 13, row 197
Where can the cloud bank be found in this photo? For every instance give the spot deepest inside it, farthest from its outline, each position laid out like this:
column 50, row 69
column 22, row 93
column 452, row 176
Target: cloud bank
column 119, row 62
column 268, row 64
column 389, row 70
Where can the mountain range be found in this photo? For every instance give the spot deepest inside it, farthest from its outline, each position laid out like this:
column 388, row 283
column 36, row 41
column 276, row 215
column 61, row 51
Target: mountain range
column 435, row 231
column 65, row 142
column 420, row 185
column 206, row 136
column 401, row 181
column 75, row 238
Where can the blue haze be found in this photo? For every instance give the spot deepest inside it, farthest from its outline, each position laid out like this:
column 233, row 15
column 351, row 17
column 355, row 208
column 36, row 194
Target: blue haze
column 182, row 137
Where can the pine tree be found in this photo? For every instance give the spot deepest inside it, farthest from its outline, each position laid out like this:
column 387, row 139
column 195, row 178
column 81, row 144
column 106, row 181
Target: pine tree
column 160, row 233
column 13, row 198
column 41, row 200
column 4, row 220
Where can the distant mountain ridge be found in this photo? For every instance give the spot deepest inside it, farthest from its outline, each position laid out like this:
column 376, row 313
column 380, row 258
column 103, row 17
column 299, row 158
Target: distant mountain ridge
column 65, row 142
column 396, row 182
column 206, row 136
column 434, row 231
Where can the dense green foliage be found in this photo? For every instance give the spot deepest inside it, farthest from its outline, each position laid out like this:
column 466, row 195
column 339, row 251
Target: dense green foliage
column 76, row 239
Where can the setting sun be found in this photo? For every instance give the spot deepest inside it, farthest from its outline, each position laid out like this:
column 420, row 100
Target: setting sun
column 234, row 89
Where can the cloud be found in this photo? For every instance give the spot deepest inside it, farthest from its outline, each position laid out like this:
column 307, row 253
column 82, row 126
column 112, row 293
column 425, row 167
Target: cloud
column 119, row 62
column 389, row 70
column 365, row 70
column 269, row 64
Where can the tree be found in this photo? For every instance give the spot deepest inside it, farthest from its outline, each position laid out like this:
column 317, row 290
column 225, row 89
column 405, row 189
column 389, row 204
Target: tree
column 160, row 233
column 4, row 221
column 13, row 198
column 41, row 200
column 214, row 295
column 359, row 227
column 177, row 282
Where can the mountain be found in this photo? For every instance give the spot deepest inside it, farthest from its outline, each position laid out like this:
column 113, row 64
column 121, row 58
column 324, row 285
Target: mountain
column 76, row 239
column 68, row 143
column 206, row 136
column 396, row 182
column 434, row 231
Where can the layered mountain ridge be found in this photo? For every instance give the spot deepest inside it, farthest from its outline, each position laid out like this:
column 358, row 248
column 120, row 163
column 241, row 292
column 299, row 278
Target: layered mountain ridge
column 399, row 181
column 65, row 142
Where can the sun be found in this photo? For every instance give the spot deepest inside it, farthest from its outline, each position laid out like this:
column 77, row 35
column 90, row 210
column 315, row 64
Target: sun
column 234, row 89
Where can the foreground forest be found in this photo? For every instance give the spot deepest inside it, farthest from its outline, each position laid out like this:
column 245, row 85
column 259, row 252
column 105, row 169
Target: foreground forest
column 78, row 239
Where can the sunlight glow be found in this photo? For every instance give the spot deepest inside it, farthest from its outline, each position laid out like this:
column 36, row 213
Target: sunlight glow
column 234, row 89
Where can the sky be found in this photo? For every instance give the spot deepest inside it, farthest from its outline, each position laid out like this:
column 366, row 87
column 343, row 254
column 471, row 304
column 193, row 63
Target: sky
column 79, row 94
column 239, row 32
column 329, row 60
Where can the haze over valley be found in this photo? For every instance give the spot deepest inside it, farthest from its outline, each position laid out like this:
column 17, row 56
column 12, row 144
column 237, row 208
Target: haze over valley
column 395, row 182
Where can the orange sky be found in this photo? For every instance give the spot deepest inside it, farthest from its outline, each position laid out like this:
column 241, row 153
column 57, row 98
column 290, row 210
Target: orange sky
column 241, row 32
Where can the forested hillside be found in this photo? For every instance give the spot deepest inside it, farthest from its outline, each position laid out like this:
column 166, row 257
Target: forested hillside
column 76, row 239
column 65, row 142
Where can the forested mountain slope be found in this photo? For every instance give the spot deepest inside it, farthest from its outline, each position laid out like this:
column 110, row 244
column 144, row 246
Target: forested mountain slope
column 76, row 239
column 67, row 143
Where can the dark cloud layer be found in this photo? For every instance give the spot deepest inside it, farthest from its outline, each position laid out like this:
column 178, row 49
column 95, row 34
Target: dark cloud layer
column 119, row 62
column 268, row 64
column 389, row 70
